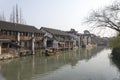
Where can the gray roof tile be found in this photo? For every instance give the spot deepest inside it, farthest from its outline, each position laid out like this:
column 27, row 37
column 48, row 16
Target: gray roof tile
column 18, row 27
column 55, row 31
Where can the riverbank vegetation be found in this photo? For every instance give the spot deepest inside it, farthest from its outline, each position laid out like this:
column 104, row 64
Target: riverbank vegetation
column 115, row 41
column 115, row 45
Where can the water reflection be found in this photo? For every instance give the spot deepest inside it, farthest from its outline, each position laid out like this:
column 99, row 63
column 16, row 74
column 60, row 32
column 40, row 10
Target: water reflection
column 116, row 63
column 27, row 67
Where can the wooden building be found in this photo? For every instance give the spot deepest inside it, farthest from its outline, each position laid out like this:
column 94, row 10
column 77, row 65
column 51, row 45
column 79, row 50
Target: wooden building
column 25, row 36
column 57, row 39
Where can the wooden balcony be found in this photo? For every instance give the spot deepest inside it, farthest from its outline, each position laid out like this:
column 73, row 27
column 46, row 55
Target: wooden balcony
column 24, row 38
column 38, row 38
column 11, row 37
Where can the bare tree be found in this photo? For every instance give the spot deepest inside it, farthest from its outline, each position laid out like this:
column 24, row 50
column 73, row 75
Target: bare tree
column 21, row 19
column 16, row 16
column 2, row 17
column 109, row 17
column 12, row 16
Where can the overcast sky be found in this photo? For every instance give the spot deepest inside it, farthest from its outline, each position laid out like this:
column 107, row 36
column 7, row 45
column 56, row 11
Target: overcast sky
column 58, row 14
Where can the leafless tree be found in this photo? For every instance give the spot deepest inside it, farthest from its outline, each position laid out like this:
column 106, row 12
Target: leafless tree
column 2, row 17
column 108, row 17
column 12, row 16
column 16, row 16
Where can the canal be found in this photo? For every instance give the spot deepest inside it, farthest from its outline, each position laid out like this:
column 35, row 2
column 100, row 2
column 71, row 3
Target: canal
column 81, row 64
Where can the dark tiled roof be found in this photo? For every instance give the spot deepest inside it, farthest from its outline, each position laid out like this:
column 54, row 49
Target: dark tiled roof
column 86, row 35
column 55, row 31
column 79, row 34
column 59, row 38
column 62, row 39
column 18, row 27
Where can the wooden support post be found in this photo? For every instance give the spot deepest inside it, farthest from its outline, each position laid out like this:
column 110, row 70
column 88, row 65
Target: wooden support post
column 0, row 48
column 69, row 44
column 33, row 44
column 18, row 38
column 79, row 41
column 64, row 46
column 45, row 42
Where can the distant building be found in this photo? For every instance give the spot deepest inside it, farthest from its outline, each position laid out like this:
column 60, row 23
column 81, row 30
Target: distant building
column 105, row 40
column 86, row 38
column 76, row 37
column 91, row 39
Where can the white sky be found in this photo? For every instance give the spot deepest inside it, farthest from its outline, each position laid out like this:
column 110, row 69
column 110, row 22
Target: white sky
column 58, row 14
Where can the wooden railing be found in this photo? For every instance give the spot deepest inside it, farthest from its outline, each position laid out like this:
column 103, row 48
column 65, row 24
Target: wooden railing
column 38, row 38
column 24, row 38
column 11, row 37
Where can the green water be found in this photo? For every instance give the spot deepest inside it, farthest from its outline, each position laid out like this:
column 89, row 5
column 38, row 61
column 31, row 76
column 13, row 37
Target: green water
column 81, row 64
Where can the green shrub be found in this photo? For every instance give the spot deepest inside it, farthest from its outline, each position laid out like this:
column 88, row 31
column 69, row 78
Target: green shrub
column 115, row 42
column 116, row 53
column 115, row 45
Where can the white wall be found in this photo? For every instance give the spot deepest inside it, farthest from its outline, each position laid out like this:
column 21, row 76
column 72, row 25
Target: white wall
column 46, row 35
column 45, row 42
column 75, row 39
column 85, row 40
column 55, row 44
column 18, row 37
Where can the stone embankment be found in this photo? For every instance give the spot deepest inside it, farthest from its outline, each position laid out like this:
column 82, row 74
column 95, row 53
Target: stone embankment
column 8, row 56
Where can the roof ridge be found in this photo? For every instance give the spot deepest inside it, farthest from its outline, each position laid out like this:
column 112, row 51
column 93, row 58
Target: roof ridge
column 18, row 27
column 55, row 31
column 52, row 28
column 16, row 23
